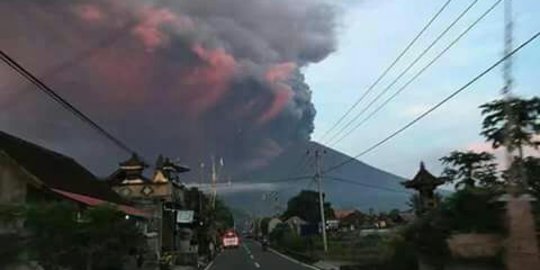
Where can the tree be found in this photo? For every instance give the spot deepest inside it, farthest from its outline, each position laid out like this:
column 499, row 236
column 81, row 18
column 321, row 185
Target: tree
column 61, row 236
column 529, row 168
column 264, row 225
column 514, row 121
column 305, row 205
column 223, row 216
column 532, row 174
column 470, row 168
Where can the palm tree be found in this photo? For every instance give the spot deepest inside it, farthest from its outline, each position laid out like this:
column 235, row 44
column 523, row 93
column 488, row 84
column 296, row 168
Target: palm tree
column 469, row 168
column 513, row 122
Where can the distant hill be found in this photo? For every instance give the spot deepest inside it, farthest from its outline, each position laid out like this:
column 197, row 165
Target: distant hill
column 340, row 194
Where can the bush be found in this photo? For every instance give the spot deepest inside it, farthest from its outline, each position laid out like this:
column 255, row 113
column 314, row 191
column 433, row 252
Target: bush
column 284, row 238
column 400, row 254
column 473, row 211
column 62, row 236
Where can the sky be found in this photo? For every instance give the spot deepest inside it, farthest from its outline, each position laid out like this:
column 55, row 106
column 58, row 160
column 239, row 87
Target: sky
column 372, row 33
column 246, row 80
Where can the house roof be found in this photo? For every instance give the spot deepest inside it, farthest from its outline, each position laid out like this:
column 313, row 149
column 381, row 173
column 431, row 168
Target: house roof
column 54, row 170
column 295, row 220
column 166, row 164
column 343, row 213
column 134, row 161
column 91, row 201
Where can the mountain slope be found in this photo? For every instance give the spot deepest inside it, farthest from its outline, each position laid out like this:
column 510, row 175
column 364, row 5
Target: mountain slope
column 378, row 189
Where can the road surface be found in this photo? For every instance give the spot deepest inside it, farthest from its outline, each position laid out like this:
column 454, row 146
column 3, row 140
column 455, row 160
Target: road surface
column 251, row 257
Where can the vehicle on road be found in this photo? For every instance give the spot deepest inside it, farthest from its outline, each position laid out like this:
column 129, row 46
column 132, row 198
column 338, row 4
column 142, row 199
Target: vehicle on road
column 264, row 244
column 230, row 240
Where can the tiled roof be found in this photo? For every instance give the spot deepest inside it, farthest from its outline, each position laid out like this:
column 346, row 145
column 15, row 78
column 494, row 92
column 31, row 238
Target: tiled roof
column 91, row 201
column 343, row 213
column 55, row 170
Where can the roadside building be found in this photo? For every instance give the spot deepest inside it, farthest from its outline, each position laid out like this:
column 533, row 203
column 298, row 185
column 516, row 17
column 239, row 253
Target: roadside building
column 272, row 224
column 350, row 220
column 30, row 173
column 296, row 223
column 162, row 195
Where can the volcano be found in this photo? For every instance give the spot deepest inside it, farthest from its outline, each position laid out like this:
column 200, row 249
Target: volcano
column 268, row 189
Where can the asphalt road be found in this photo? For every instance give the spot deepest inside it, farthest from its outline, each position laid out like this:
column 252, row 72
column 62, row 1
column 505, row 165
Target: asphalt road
column 249, row 256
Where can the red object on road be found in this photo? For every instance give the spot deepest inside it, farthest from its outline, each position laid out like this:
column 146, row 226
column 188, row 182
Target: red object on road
column 230, row 240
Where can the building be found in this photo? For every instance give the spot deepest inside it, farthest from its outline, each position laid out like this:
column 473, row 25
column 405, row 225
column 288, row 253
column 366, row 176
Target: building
column 350, row 220
column 30, row 173
column 272, row 224
column 296, row 223
column 162, row 195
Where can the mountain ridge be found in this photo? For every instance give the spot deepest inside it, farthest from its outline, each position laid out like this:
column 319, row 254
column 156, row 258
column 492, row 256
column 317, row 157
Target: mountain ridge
column 362, row 186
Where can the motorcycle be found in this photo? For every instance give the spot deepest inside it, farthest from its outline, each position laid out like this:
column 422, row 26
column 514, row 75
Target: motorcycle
column 264, row 245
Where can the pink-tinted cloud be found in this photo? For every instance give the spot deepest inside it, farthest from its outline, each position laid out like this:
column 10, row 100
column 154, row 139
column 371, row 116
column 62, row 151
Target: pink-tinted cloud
column 89, row 12
column 500, row 153
column 150, row 30
column 204, row 85
column 126, row 74
column 480, row 147
column 282, row 96
column 277, row 76
column 280, row 72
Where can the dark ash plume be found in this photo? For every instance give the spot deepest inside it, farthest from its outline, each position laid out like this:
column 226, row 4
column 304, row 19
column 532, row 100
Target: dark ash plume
column 184, row 78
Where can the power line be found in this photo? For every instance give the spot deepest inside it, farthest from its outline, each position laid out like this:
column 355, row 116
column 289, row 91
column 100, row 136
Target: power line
column 404, row 71
column 436, row 106
column 64, row 103
column 268, row 180
column 421, row 71
column 353, row 182
column 385, row 72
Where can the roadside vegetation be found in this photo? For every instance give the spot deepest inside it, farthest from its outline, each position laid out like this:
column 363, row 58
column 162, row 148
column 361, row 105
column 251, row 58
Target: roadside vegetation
column 479, row 180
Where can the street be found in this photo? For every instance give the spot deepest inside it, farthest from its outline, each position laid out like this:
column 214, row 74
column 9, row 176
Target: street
column 251, row 256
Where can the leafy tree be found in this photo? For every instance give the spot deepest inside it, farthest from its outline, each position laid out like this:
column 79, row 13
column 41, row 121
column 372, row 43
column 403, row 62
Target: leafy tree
column 264, row 225
column 469, row 168
column 515, row 120
column 61, row 236
column 306, row 206
column 223, row 215
column 529, row 169
column 473, row 210
column 532, row 174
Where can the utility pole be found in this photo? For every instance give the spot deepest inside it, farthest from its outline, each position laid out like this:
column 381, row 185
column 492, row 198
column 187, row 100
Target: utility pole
column 214, row 179
column 521, row 248
column 318, row 178
column 201, row 179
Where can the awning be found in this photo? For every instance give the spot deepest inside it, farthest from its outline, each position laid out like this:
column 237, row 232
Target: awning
column 91, row 201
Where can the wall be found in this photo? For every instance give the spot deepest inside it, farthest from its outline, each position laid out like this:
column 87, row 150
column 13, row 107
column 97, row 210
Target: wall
column 13, row 190
column 12, row 182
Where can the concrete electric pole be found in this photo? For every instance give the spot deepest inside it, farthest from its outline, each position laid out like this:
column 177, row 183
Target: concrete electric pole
column 214, row 180
column 521, row 245
column 318, row 178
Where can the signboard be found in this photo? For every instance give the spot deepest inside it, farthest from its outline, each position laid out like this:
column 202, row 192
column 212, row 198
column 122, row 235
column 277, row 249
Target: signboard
column 184, row 216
